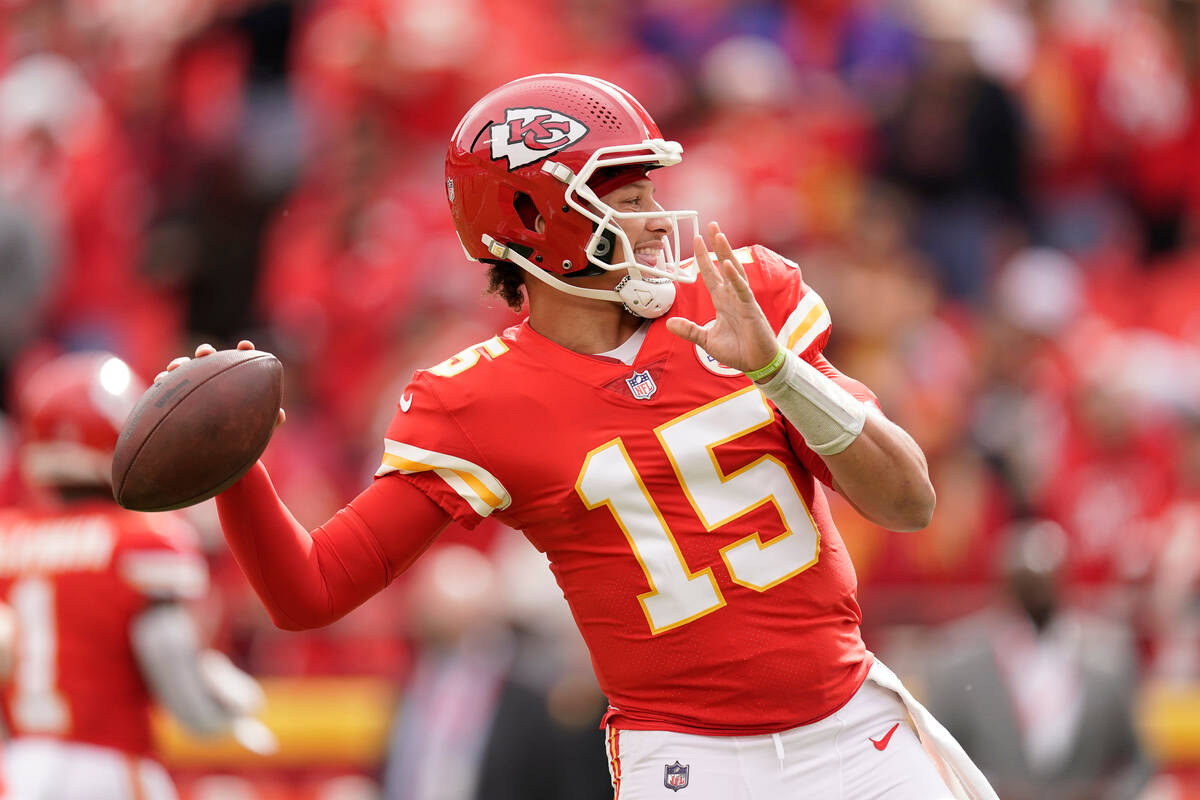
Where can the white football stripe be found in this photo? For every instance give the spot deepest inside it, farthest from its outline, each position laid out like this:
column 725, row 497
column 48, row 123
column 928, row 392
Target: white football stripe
column 808, row 321
column 472, row 482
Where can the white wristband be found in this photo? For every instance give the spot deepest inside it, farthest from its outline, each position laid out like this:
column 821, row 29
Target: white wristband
column 826, row 415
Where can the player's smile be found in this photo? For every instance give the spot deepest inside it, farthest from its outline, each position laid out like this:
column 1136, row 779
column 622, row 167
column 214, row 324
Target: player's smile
column 648, row 253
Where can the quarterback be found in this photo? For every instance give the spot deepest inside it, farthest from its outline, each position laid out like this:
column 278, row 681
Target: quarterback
column 659, row 426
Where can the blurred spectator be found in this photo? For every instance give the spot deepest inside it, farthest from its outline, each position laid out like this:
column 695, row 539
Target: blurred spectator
column 1023, row 373
column 1038, row 693
column 64, row 156
column 490, row 713
column 226, row 149
column 957, row 142
column 1172, row 602
column 27, row 261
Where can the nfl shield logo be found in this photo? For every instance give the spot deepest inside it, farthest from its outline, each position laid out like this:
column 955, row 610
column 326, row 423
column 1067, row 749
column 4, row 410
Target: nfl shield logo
column 675, row 776
column 642, row 385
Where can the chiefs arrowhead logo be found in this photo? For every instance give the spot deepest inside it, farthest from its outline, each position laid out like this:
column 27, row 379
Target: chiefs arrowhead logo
column 530, row 134
column 714, row 366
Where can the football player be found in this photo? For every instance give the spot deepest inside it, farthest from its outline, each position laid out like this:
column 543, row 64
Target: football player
column 99, row 628
column 662, row 439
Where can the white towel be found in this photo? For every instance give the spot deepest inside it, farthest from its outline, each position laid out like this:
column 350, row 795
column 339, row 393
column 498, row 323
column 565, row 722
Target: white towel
column 960, row 773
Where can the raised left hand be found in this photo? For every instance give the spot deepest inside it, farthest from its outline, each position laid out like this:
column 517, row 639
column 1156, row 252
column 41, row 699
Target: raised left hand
column 740, row 336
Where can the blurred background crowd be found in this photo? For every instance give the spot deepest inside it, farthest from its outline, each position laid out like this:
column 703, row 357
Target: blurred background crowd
column 999, row 200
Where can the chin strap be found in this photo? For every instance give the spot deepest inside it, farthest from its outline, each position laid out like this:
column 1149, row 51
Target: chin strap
column 648, row 298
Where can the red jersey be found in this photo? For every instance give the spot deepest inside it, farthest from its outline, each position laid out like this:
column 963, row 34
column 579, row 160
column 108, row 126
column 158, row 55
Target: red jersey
column 680, row 512
column 77, row 576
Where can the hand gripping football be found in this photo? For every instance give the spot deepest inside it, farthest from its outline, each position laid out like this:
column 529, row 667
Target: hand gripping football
column 197, row 430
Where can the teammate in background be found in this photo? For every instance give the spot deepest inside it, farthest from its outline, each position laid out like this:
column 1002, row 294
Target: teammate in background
column 668, row 466
column 97, row 596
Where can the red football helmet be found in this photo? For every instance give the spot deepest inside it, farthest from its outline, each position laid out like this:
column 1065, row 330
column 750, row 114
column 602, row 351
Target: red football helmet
column 70, row 412
column 548, row 146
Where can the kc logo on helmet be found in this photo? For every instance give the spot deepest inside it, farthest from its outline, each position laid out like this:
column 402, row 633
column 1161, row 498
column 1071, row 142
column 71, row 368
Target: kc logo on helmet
column 530, row 134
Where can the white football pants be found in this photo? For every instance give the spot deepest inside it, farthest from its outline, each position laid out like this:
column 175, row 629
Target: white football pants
column 50, row 769
column 870, row 749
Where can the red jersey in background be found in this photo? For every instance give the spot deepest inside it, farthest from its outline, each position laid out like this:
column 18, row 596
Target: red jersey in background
column 77, row 576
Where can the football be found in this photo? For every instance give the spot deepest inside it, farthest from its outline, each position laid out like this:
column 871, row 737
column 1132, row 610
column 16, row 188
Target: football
column 197, row 430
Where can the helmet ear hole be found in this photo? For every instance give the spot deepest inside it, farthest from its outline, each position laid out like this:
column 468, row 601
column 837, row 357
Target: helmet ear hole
column 526, row 210
column 605, row 246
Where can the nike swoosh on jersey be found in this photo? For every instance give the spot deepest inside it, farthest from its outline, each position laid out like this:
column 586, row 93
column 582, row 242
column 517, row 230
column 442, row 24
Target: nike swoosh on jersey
column 882, row 742
column 405, row 402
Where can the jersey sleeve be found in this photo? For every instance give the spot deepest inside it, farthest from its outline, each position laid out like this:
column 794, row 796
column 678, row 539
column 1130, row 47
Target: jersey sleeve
column 857, row 389
column 309, row 579
column 426, row 446
column 158, row 557
column 795, row 311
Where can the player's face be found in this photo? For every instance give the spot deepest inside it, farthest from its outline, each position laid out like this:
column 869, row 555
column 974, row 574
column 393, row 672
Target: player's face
column 645, row 234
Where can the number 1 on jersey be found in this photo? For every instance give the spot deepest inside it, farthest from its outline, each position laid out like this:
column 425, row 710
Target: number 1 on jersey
column 677, row 595
column 37, row 705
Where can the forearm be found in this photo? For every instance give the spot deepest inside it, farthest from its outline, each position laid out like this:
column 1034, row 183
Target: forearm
column 883, row 474
column 873, row 463
column 307, row 580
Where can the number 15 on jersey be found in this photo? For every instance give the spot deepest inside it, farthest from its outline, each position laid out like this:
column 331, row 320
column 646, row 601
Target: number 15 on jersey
column 678, row 594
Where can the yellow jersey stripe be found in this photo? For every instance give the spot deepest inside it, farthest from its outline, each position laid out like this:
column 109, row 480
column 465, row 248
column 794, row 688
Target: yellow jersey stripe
column 805, row 324
column 404, row 465
column 473, row 483
column 808, row 320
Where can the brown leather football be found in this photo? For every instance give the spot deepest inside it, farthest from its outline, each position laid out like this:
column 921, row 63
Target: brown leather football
column 197, row 430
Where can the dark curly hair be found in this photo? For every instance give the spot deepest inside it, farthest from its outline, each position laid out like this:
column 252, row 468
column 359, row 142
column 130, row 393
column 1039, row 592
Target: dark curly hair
column 507, row 280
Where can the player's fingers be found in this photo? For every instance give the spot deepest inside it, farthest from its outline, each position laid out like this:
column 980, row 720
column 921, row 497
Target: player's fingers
column 720, row 242
column 685, row 329
column 205, row 349
column 245, row 344
column 721, row 245
column 176, row 362
column 280, row 418
column 725, row 251
column 737, row 279
column 701, row 248
column 708, row 272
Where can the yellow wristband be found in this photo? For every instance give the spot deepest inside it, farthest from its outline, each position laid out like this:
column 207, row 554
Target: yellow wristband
column 763, row 372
